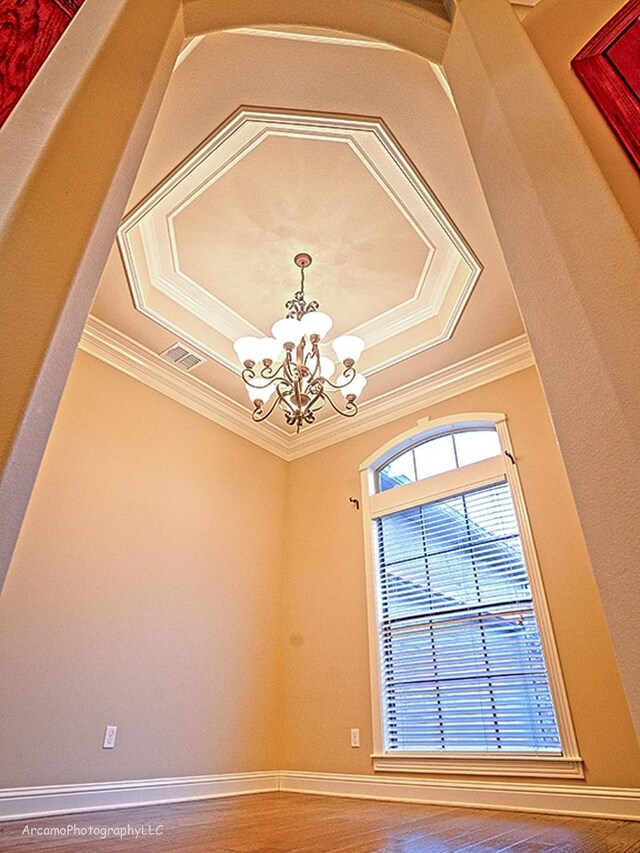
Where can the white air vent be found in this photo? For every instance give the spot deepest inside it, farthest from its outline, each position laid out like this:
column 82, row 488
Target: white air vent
column 182, row 357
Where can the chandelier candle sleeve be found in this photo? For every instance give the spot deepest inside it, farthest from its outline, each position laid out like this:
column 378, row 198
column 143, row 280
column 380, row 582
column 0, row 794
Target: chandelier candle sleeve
column 327, row 367
column 291, row 365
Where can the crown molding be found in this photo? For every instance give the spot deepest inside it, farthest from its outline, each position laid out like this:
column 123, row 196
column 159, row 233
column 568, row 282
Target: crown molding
column 428, row 312
column 118, row 350
column 342, row 40
column 487, row 366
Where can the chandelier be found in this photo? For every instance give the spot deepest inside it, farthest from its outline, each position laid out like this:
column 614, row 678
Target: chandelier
column 290, row 364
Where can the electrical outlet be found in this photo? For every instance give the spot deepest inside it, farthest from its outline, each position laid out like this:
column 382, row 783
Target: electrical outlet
column 109, row 737
column 355, row 737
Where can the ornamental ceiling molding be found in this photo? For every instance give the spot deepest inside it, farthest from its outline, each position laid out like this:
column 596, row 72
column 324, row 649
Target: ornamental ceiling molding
column 121, row 352
column 165, row 293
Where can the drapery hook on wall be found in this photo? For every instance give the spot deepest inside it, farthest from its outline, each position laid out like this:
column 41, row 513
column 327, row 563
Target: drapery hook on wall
column 510, row 456
column 355, row 501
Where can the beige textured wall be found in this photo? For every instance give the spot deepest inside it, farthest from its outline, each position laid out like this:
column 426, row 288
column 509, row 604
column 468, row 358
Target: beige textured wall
column 574, row 262
column 324, row 630
column 151, row 589
column 144, row 592
column 99, row 609
column 558, row 30
column 69, row 153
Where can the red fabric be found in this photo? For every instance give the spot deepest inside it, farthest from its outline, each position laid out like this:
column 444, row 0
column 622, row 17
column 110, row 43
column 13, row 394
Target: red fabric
column 28, row 31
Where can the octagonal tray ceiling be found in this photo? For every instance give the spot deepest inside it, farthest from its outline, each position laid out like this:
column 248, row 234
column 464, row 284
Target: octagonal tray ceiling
column 208, row 254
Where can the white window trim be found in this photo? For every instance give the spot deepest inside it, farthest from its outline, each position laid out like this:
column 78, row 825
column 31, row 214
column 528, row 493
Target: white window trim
column 374, row 504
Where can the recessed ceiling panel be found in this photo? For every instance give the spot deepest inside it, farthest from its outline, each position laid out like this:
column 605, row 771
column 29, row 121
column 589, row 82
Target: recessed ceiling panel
column 208, row 246
column 209, row 253
column 237, row 236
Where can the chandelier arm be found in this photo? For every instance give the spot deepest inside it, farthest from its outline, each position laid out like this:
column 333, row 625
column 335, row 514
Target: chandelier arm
column 247, row 374
column 315, row 372
column 258, row 415
column 350, row 373
column 322, row 398
column 293, row 373
column 316, row 386
column 319, row 395
column 308, row 355
column 268, row 372
column 349, row 410
column 288, row 407
column 274, row 378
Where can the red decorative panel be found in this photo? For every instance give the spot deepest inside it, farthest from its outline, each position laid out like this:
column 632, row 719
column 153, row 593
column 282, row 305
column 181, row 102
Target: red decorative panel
column 28, row 31
column 609, row 68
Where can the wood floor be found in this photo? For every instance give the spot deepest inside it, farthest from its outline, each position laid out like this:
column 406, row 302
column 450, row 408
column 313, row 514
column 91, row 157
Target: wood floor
column 283, row 823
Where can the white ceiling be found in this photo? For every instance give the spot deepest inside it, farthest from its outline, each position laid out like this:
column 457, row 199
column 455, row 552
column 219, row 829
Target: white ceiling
column 354, row 154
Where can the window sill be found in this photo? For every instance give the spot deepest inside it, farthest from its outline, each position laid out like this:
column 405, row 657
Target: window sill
column 480, row 764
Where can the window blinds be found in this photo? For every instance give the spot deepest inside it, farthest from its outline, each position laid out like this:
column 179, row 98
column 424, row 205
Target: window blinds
column 461, row 658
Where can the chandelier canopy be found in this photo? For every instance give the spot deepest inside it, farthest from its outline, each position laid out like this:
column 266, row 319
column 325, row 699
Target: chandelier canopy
column 290, row 364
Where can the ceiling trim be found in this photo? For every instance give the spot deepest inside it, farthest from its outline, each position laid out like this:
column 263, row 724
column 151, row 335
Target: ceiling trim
column 102, row 341
column 149, row 250
column 118, row 350
column 473, row 372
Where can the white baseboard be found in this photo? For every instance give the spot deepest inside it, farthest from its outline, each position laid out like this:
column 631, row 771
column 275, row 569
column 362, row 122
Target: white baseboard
column 17, row 803
column 575, row 800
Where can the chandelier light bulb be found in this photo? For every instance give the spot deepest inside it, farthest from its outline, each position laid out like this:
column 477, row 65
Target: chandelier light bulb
column 316, row 323
column 288, row 331
column 269, row 349
column 327, row 367
column 355, row 387
column 348, row 348
column 263, row 393
column 248, row 349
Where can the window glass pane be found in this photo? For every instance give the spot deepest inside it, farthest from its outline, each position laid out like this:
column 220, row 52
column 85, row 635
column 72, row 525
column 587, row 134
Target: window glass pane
column 475, row 445
column 400, row 536
column 438, row 455
column 435, row 457
column 399, row 471
column 461, row 656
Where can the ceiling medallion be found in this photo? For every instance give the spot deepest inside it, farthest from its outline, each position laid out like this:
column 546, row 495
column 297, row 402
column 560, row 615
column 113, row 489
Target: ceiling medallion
column 293, row 367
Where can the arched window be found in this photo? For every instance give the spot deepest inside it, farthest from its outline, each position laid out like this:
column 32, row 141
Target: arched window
column 465, row 670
